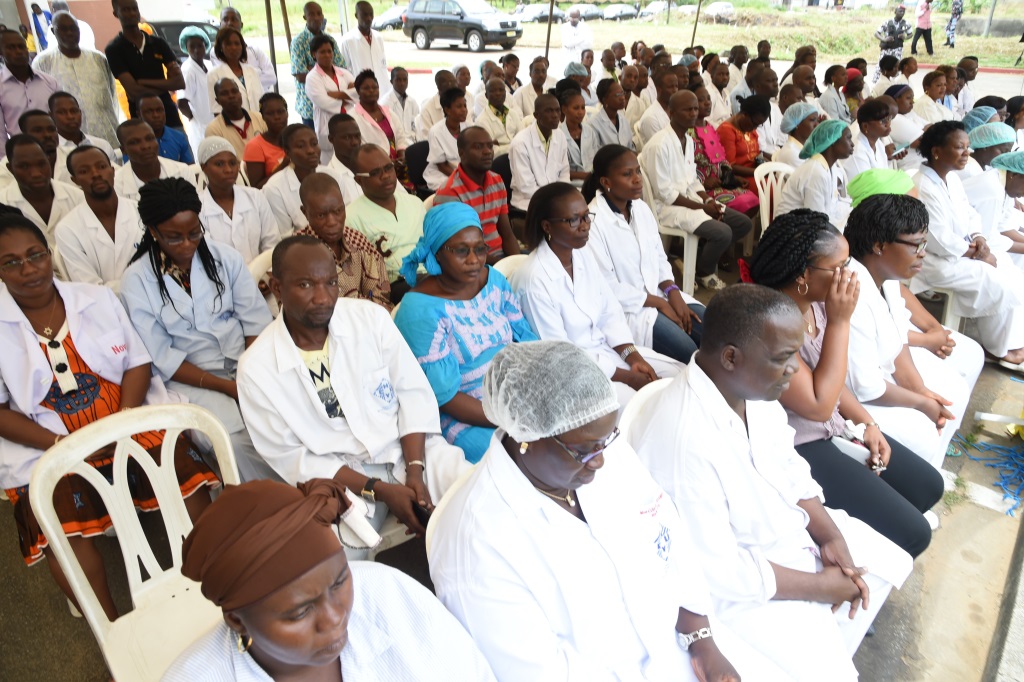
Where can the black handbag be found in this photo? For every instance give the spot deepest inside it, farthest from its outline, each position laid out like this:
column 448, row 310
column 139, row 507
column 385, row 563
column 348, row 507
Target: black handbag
column 728, row 178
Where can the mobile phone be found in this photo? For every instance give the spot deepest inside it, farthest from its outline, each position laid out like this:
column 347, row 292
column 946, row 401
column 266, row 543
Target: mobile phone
column 422, row 513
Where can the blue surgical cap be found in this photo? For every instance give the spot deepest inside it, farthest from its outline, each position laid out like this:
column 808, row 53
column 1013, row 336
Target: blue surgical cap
column 575, row 69
column 991, row 134
column 978, row 116
column 687, row 59
column 797, row 114
column 1011, row 161
column 824, row 136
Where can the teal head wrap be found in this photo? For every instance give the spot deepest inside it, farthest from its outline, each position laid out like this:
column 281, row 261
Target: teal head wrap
column 978, row 116
column 991, row 134
column 824, row 136
column 193, row 32
column 441, row 223
column 1011, row 161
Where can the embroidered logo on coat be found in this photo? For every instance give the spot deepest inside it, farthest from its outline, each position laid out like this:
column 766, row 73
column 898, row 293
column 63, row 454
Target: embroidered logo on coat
column 663, row 543
column 384, row 392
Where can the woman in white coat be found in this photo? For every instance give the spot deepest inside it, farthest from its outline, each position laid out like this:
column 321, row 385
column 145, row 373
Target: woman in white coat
column 820, row 184
column 564, row 563
column 330, row 89
column 442, row 139
column 624, row 241
column 929, row 107
column 907, row 127
column 194, row 98
column 230, row 49
column 196, row 308
column 565, row 296
column 71, row 357
column 609, row 123
column 377, row 124
column 581, row 140
column 985, row 285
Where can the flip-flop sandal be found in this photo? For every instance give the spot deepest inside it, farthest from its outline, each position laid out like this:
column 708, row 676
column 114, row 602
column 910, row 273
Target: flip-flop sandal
column 1010, row 366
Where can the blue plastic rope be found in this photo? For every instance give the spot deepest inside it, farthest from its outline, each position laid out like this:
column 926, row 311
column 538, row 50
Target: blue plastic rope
column 1007, row 460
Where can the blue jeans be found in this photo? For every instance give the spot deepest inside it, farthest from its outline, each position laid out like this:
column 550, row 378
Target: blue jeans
column 669, row 338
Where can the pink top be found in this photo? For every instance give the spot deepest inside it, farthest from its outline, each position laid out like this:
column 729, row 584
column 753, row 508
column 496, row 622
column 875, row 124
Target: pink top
column 713, row 146
column 924, row 14
column 810, row 352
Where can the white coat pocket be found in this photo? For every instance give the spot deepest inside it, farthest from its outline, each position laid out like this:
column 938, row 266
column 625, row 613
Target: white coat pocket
column 379, row 390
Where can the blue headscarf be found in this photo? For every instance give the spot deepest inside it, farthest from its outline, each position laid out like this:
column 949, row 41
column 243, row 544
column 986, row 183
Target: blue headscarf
column 441, row 223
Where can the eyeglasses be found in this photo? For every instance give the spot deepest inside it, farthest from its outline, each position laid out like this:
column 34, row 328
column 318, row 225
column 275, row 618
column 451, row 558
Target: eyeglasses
column 480, row 251
column 376, row 172
column 193, row 236
column 19, row 263
column 918, row 246
column 845, row 264
column 576, row 221
column 584, row 457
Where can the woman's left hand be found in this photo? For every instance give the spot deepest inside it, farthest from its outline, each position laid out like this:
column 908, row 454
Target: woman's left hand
column 686, row 316
column 710, row 664
column 415, row 482
column 878, row 446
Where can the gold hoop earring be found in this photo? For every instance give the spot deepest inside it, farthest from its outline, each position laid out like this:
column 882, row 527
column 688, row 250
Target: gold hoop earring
column 523, row 447
column 804, row 285
column 244, row 643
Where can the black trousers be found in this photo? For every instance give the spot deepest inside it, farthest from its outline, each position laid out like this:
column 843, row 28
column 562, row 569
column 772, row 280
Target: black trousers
column 927, row 34
column 892, row 503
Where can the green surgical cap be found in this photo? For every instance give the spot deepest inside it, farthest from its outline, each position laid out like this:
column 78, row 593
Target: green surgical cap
column 1012, row 161
column 193, row 32
column 824, row 136
column 991, row 134
column 978, row 116
column 878, row 181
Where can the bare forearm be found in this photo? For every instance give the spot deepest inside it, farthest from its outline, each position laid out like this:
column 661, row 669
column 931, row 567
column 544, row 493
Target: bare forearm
column 191, row 375
column 134, row 385
column 19, row 429
column 467, row 410
column 820, row 526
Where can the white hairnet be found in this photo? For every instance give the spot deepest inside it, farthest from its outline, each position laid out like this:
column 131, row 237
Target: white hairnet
column 545, row 388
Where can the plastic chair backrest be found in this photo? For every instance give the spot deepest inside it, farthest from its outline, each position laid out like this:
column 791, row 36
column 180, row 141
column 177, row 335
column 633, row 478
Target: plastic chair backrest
column 502, row 165
column 637, row 403
column 438, row 506
column 169, row 609
column 58, row 264
column 509, row 264
column 428, row 203
column 770, row 178
column 260, row 265
column 416, row 159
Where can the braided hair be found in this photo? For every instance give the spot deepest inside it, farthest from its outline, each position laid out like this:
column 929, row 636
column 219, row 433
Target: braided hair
column 159, row 201
column 789, row 245
column 882, row 219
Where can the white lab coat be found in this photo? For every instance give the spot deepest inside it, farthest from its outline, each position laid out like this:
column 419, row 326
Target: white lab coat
column 66, row 146
column 532, row 167
column 251, row 90
column 632, row 260
column 740, row 498
column 581, row 156
column 865, row 157
column 406, row 112
column 443, row 147
column 430, row 113
column 720, row 107
column 669, row 171
column 834, row 104
column 251, row 228
column 350, row 189
column 654, row 120
column 318, row 85
column 65, row 198
column 197, row 92
column 282, row 193
column 906, row 128
column 816, row 186
column 931, row 111
column 789, row 153
column 582, row 310
column 501, row 133
column 994, row 296
column 878, row 332
column 606, row 132
column 259, row 59
column 575, row 39
column 89, row 255
column 883, row 84
column 371, row 132
column 127, row 185
column 547, row 597
column 635, row 108
column 525, row 100
column 736, row 75
column 360, row 55
column 382, row 392
column 103, row 336
column 769, row 134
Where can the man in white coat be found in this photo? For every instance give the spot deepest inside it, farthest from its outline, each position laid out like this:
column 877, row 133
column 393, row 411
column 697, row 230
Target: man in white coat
column 430, row 109
column 331, row 390
column 776, row 560
column 139, row 144
column 679, row 199
column 398, row 101
column 539, row 155
column 363, row 48
column 97, row 240
column 655, row 117
column 576, row 37
column 42, row 200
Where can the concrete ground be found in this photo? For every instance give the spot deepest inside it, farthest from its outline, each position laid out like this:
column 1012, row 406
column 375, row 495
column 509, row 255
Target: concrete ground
column 940, row 627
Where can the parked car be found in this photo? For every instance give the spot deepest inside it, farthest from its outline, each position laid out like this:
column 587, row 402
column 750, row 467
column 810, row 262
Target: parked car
column 720, row 12
column 539, row 12
column 653, row 8
column 473, row 23
column 171, row 30
column 619, row 12
column 587, row 12
column 389, row 19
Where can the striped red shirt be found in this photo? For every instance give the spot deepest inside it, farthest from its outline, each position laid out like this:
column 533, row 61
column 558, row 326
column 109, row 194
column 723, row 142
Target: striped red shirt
column 489, row 201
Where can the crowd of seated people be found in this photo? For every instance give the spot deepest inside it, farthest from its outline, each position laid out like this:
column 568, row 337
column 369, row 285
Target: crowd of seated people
column 463, row 367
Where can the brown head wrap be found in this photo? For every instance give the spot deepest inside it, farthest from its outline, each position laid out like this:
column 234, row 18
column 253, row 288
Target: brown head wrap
column 260, row 536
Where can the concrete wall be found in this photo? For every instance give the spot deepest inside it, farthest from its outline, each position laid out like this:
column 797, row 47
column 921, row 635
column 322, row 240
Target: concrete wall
column 1001, row 28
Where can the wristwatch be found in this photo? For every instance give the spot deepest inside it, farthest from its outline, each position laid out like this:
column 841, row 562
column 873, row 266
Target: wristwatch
column 367, row 491
column 686, row 640
column 627, row 351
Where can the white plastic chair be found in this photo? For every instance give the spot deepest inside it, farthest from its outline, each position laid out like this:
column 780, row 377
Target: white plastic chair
column 169, row 610
column 394, row 311
column 690, row 243
column 59, row 269
column 428, row 203
column 950, row 319
column 770, row 179
column 636, row 405
column 258, row 268
column 439, row 505
column 509, row 264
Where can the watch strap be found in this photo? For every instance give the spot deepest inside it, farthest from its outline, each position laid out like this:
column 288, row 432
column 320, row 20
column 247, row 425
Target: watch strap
column 367, row 491
column 685, row 640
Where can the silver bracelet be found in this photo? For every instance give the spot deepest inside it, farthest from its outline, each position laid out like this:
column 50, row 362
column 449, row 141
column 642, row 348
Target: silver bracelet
column 627, row 351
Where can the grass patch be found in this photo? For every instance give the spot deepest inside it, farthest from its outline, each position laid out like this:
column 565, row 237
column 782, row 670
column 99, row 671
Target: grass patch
column 956, row 496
